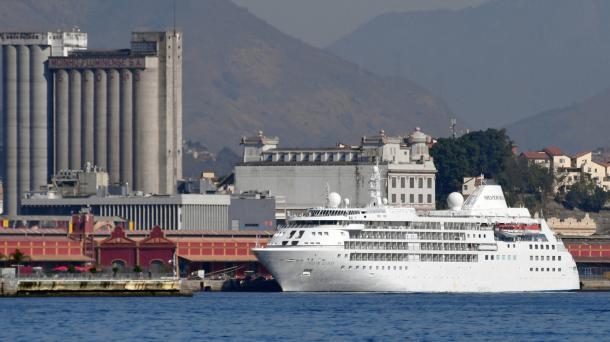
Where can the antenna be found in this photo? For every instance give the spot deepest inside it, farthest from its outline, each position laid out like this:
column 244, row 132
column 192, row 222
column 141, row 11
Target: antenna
column 452, row 127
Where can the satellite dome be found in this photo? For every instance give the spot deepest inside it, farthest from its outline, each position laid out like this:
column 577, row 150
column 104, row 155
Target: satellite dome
column 334, row 199
column 455, row 201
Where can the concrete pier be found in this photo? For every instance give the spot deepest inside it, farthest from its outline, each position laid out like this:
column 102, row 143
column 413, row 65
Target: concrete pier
column 92, row 287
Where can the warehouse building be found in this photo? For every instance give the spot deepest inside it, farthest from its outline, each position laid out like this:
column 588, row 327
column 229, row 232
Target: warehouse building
column 299, row 177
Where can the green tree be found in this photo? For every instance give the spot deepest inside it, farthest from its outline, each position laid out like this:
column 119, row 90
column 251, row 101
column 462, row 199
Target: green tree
column 17, row 258
column 481, row 152
column 585, row 195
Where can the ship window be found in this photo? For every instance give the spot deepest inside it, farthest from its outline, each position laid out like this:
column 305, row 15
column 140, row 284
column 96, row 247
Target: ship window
column 292, row 233
column 325, row 233
column 294, row 243
column 492, row 257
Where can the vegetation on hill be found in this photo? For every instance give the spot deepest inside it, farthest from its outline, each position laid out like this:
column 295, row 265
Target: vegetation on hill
column 489, row 153
column 584, row 195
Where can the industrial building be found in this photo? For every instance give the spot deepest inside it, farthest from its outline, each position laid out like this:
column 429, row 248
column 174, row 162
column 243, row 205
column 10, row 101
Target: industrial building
column 73, row 191
column 27, row 119
column 64, row 106
column 105, row 243
column 122, row 111
column 298, row 177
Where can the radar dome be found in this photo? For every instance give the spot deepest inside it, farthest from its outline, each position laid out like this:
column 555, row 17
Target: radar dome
column 334, row 199
column 455, row 201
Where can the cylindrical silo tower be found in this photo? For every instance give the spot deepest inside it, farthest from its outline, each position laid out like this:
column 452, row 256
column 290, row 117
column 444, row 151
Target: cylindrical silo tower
column 9, row 123
column 23, row 119
column 62, row 120
column 39, row 116
column 114, row 125
column 88, row 129
column 126, row 118
column 100, row 119
column 146, row 132
column 75, row 120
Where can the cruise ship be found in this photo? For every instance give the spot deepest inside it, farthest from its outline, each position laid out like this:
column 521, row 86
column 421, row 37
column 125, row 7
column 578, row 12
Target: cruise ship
column 477, row 245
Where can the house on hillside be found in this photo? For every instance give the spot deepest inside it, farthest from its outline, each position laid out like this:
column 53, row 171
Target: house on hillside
column 570, row 169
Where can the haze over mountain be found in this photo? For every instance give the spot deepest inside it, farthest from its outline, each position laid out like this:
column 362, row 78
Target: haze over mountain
column 575, row 128
column 497, row 63
column 242, row 75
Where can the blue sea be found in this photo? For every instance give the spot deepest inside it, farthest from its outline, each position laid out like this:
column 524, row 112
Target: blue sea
column 574, row 316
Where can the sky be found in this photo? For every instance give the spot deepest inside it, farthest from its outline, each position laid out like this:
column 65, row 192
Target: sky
column 321, row 22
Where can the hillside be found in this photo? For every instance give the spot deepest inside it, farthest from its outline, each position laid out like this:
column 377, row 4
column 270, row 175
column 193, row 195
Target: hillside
column 497, row 63
column 581, row 126
column 242, row 75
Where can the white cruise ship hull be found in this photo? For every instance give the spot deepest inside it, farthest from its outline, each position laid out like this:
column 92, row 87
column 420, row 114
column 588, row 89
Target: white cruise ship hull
column 325, row 269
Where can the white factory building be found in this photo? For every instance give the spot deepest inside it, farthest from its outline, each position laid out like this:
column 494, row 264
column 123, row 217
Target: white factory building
column 298, row 177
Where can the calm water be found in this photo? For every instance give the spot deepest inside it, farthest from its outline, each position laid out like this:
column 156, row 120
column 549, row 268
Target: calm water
column 285, row 316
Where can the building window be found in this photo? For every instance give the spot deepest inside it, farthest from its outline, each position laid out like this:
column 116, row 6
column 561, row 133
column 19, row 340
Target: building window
column 393, row 182
column 420, row 183
column 429, row 198
column 420, row 198
column 412, row 182
column 393, row 198
column 411, row 198
column 402, row 198
column 429, row 183
column 402, row 182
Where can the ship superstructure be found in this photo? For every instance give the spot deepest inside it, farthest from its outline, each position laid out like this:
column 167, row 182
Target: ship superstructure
column 480, row 245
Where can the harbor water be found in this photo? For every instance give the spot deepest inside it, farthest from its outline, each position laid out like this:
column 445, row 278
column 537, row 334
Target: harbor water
column 581, row 316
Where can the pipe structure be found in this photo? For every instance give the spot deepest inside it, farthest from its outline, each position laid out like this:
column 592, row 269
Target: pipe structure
column 126, row 123
column 9, row 123
column 100, row 120
column 88, row 128
column 114, row 125
column 62, row 120
column 146, row 132
column 39, row 117
column 75, row 120
column 23, row 120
